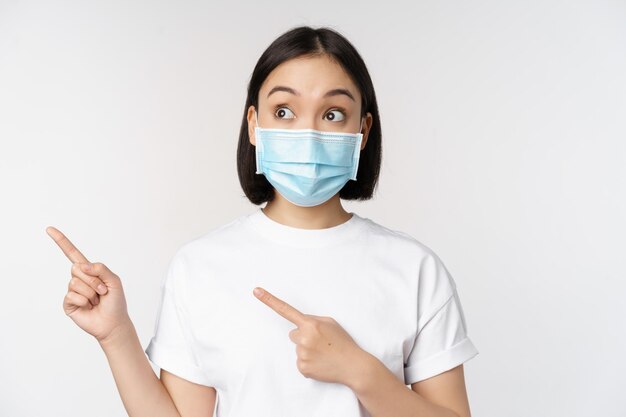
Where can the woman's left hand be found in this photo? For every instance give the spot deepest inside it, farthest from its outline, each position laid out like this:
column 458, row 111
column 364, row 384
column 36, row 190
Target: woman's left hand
column 325, row 351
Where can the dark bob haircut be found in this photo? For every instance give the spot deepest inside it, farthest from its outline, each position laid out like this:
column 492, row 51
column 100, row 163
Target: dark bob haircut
column 305, row 41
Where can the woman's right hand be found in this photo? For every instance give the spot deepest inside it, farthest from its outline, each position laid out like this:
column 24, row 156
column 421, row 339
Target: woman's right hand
column 99, row 313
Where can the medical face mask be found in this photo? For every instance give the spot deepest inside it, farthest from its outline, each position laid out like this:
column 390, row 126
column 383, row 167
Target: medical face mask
column 307, row 166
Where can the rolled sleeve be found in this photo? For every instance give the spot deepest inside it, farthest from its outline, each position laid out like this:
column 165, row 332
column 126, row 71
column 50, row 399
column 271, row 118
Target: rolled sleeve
column 441, row 341
column 171, row 346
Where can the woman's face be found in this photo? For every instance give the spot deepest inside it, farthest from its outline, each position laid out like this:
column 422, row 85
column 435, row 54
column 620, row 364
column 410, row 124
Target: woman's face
column 309, row 93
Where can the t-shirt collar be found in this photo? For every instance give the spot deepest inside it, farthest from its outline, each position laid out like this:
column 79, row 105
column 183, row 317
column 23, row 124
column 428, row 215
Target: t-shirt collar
column 295, row 236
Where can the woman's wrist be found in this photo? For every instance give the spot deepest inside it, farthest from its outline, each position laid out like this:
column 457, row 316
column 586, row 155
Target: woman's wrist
column 119, row 336
column 361, row 372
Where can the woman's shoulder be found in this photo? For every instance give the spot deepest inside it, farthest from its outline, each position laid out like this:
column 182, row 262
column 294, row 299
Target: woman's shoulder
column 393, row 237
column 216, row 239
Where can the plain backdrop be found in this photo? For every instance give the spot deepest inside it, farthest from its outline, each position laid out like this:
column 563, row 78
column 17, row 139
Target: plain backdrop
column 504, row 128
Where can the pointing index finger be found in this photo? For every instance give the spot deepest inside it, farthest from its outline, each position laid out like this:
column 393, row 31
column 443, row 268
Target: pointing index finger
column 290, row 313
column 72, row 253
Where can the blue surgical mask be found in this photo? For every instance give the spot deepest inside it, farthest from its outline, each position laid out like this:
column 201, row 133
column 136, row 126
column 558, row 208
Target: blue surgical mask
column 307, row 166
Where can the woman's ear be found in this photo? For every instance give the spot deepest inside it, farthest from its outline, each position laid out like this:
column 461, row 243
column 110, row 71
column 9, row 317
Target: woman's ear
column 252, row 121
column 367, row 126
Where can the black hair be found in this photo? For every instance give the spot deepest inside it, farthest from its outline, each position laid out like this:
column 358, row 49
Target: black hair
column 305, row 41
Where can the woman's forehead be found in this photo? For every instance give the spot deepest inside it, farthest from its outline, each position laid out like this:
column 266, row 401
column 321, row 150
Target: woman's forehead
column 309, row 77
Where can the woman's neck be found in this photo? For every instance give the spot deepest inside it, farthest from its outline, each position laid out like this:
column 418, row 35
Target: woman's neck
column 328, row 214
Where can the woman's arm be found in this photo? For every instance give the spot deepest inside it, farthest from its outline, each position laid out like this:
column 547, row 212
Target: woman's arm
column 384, row 395
column 191, row 399
column 142, row 392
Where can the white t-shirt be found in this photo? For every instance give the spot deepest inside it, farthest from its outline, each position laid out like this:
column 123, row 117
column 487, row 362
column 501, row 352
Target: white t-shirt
column 391, row 293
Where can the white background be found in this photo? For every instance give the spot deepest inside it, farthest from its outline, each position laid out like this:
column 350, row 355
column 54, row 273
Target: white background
column 503, row 134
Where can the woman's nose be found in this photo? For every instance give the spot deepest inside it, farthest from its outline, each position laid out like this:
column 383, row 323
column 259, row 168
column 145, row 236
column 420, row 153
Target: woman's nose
column 308, row 123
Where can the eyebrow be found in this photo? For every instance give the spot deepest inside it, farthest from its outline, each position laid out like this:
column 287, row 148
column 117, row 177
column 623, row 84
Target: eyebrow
column 330, row 93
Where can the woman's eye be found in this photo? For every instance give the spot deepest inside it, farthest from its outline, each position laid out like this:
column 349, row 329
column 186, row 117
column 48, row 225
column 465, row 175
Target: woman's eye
column 280, row 112
column 333, row 115
column 333, row 118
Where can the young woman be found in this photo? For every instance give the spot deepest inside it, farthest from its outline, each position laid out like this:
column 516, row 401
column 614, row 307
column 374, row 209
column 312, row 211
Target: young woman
column 347, row 317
